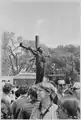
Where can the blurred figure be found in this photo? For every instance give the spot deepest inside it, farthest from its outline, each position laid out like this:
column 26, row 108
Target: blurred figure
column 32, row 95
column 6, row 91
column 46, row 109
column 45, row 79
column 17, row 94
column 6, row 102
column 20, row 102
column 69, row 108
column 61, row 87
column 3, row 83
column 60, row 90
column 12, row 95
column 76, row 90
column 32, row 102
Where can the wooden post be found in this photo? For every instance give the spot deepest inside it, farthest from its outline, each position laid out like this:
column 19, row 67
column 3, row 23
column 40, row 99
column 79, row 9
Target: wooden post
column 36, row 41
column 37, row 59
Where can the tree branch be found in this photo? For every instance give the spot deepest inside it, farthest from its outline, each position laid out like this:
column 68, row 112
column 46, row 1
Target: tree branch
column 8, row 63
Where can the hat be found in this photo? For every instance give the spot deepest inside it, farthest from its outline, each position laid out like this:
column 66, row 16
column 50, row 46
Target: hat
column 77, row 85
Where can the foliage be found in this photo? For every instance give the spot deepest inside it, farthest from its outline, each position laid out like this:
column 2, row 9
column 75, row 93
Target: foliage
column 63, row 59
column 12, row 61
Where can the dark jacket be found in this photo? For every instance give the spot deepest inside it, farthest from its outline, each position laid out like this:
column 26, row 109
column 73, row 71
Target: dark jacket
column 18, row 105
column 25, row 112
column 22, row 108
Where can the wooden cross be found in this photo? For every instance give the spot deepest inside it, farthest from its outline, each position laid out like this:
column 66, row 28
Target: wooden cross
column 36, row 54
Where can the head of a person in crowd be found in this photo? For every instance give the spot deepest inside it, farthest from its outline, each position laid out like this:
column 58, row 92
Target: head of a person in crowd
column 17, row 93
column 32, row 95
column 45, row 79
column 46, row 90
column 61, row 86
column 3, row 83
column 76, row 90
column 23, row 89
column 7, row 88
column 69, row 108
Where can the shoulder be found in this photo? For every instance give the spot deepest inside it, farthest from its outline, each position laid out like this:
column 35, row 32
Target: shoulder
column 54, row 106
column 14, row 104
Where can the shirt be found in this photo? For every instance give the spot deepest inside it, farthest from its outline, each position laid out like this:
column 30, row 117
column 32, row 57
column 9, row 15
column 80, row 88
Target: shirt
column 17, row 105
column 50, row 114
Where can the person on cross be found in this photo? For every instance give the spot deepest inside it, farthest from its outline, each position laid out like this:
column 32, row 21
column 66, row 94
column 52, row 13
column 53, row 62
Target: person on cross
column 40, row 61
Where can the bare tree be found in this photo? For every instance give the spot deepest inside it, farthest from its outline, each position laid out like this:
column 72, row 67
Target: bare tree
column 11, row 54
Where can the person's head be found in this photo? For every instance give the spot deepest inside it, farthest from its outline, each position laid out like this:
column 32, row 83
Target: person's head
column 47, row 90
column 45, row 79
column 40, row 50
column 7, row 88
column 76, row 90
column 23, row 89
column 32, row 93
column 68, row 108
column 61, row 85
column 17, row 93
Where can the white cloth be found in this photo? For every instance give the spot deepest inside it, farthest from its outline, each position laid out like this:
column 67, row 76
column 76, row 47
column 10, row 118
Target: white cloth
column 51, row 114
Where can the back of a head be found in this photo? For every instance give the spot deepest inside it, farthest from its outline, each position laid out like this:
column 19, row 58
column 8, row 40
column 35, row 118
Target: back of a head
column 33, row 93
column 23, row 89
column 7, row 88
column 17, row 93
column 45, row 79
column 70, row 105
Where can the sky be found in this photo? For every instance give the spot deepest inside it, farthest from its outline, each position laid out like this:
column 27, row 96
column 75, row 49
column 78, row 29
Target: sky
column 55, row 22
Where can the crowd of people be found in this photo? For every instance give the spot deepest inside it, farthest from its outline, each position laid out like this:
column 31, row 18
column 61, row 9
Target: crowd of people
column 44, row 100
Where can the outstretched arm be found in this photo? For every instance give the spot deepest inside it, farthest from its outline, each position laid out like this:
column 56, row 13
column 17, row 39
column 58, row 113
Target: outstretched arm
column 28, row 48
column 33, row 51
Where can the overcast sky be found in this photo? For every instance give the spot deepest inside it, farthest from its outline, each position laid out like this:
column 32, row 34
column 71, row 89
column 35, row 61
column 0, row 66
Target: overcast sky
column 55, row 22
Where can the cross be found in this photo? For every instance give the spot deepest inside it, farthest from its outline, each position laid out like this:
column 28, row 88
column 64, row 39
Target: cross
column 40, row 59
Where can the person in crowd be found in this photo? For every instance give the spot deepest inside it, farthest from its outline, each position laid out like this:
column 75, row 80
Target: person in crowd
column 76, row 90
column 46, row 109
column 45, row 79
column 6, row 92
column 60, row 90
column 69, row 108
column 61, row 86
column 6, row 102
column 17, row 94
column 3, row 83
column 12, row 95
column 32, row 102
column 19, row 103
